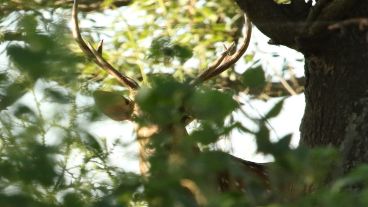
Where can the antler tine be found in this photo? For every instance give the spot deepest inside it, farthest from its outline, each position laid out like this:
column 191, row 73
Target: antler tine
column 225, row 61
column 95, row 55
column 202, row 77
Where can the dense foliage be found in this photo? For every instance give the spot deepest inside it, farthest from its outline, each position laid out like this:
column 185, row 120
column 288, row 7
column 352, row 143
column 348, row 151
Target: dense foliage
column 51, row 93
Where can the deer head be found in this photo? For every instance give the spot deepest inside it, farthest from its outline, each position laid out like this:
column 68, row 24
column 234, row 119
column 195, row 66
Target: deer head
column 126, row 108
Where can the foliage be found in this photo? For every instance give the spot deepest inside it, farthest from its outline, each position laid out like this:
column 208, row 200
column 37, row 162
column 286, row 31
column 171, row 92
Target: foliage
column 49, row 157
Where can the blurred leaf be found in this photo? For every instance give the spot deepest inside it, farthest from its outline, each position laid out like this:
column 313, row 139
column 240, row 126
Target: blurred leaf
column 282, row 146
column 254, row 78
column 29, row 61
column 31, row 164
column 13, row 93
column 91, row 142
column 23, row 110
column 162, row 47
column 28, row 23
column 264, row 144
column 182, row 52
column 155, row 101
column 211, row 105
column 18, row 200
column 73, row 200
column 3, row 77
column 56, row 96
column 275, row 111
column 205, row 135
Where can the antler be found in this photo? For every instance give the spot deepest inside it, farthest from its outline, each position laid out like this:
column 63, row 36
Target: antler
column 96, row 56
column 226, row 60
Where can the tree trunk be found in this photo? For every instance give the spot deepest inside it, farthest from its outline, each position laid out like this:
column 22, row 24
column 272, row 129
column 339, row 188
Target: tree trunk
column 336, row 94
column 333, row 37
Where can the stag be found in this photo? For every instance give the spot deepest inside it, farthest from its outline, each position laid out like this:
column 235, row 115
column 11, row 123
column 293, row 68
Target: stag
column 226, row 60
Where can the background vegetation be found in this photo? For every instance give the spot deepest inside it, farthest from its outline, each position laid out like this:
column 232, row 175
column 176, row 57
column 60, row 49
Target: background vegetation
column 51, row 93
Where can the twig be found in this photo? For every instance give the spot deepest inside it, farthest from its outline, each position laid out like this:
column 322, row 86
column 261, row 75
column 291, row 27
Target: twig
column 96, row 56
column 285, row 84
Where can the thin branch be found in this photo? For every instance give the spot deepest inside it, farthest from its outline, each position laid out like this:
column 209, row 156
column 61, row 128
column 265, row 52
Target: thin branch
column 271, row 89
column 11, row 36
column 284, row 83
column 287, row 86
column 325, row 12
column 95, row 55
column 361, row 22
column 225, row 61
column 9, row 6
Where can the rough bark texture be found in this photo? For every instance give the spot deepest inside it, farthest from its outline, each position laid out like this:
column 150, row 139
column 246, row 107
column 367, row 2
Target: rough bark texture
column 336, row 68
column 336, row 95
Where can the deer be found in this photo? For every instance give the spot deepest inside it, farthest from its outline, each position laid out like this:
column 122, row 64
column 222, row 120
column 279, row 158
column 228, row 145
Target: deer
column 144, row 134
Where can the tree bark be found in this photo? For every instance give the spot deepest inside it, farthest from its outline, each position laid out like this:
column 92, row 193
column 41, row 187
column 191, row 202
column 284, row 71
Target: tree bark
column 336, row 94
column 335, row 45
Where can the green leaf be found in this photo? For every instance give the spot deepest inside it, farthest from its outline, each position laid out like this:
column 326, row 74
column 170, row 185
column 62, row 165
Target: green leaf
column 114, row 105
column 22, row 110
column 182, row 52
column 282, row 146
column 28, row 60
column 73, row 200
column 249, row 57
column 164, row 101
column 205, row 135
column 211, row 105
column 263, row 140
column 13, row 93
column 3, row 77
column 162, row 47
column 16, row 200
column 276, row 109
column 91, row 142
column 254, row 78
column 56, row 96
column 35, row 163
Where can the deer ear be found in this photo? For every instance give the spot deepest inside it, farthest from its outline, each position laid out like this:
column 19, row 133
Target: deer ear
column 114, row 105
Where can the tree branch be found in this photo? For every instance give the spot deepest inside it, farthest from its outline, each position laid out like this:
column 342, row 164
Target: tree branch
column 282, row 23
column 271, row 89
column 9, row 6
column 326, row 12
column 11, row 36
